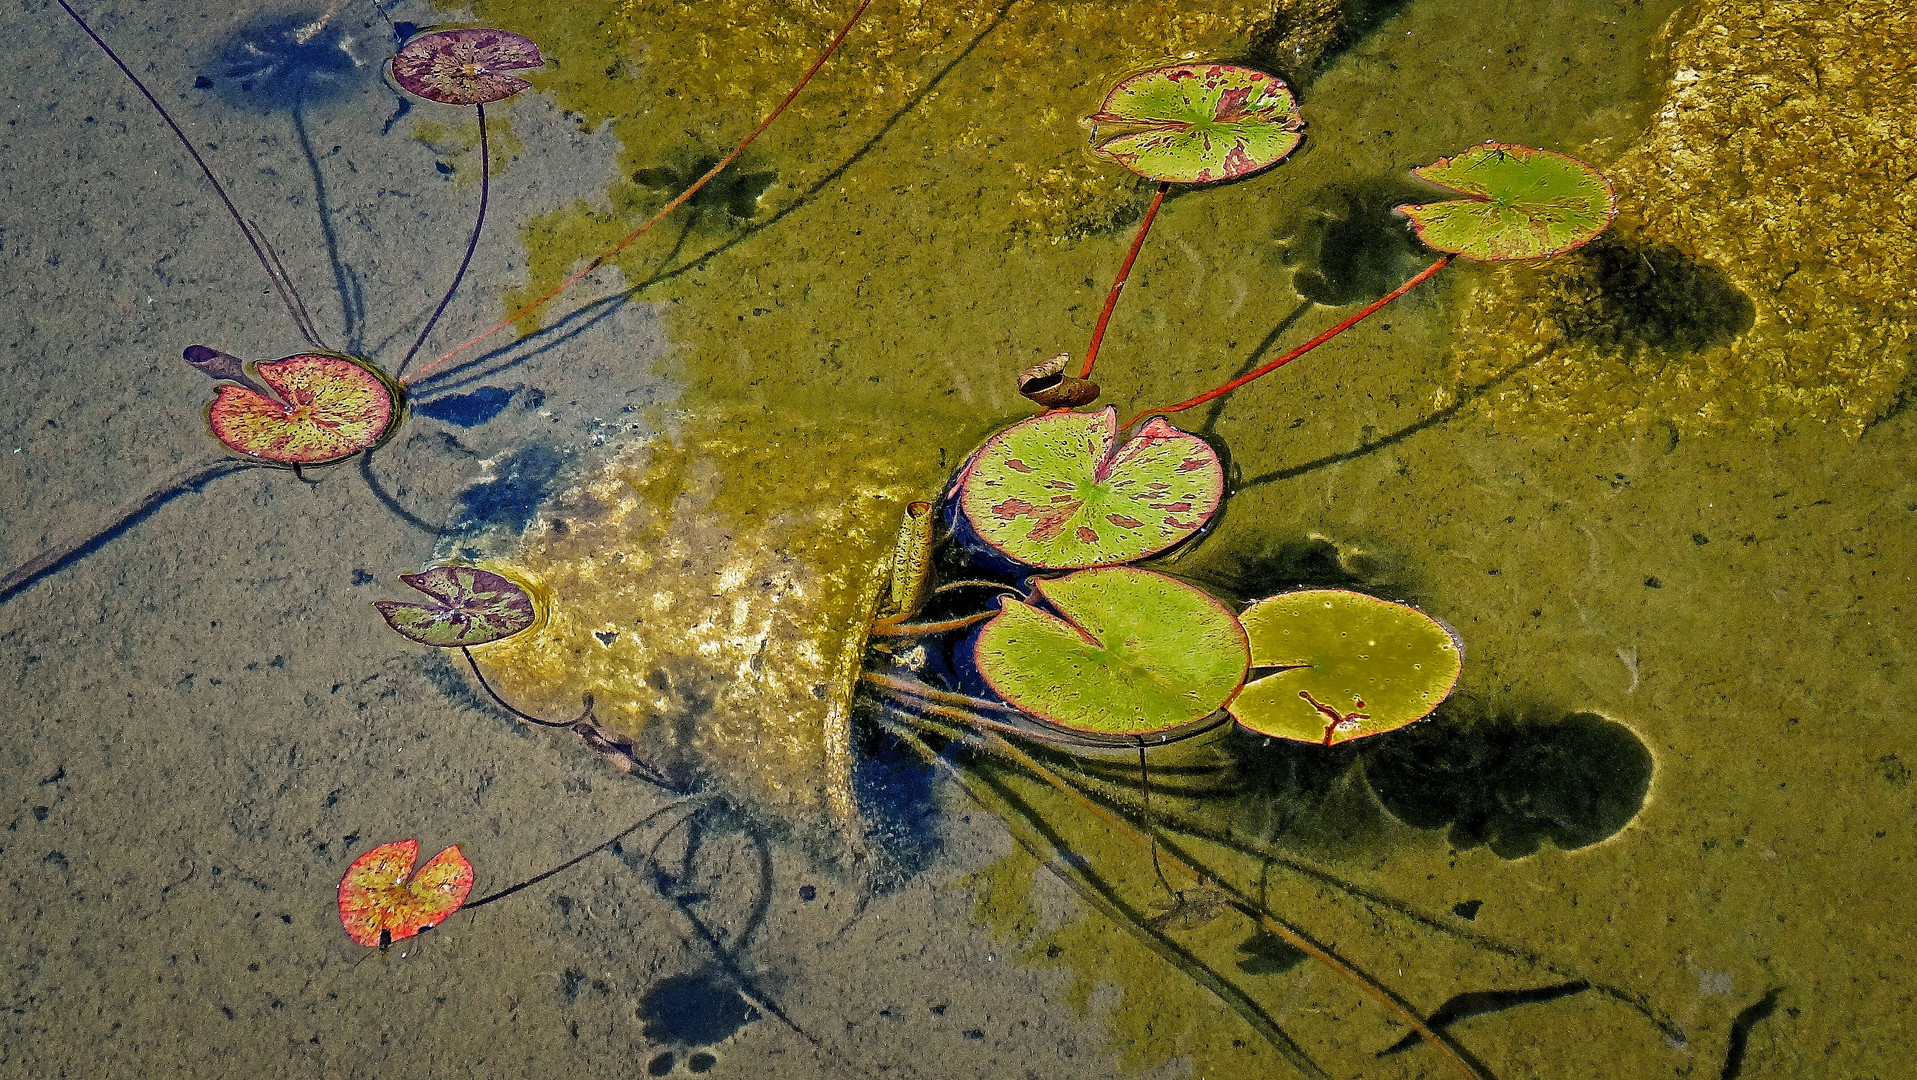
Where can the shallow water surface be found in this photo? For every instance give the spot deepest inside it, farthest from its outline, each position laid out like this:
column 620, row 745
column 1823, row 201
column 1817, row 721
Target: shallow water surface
column 1659, row 487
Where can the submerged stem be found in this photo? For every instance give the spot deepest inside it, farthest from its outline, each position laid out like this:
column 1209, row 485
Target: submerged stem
column 889, row 628
column 1118, row 286
column 998, row 745
column 1364, row 313
column 602, row 258
column 485, row 182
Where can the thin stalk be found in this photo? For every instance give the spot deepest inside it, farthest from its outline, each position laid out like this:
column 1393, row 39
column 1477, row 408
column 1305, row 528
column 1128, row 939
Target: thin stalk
column 485, row 178
column 1118, row 286
column 886, row 628
column 284, row 288
column 998, row 745
column 1366, row 312
column 586, row 854
column 1058, row 861
column 506, row 705
column 603, row 257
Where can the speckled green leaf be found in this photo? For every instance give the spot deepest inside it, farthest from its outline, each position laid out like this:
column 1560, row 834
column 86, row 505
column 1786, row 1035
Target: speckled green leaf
column 1195, row 123
column 1346, row 665
column 1524, row 203
column 468, row 606
column 1059, row 491
column 1114, row 651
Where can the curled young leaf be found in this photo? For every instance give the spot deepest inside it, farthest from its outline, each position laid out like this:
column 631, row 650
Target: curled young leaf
column 465, row 67
column 1047, row 384
column 382, row 901
column 465, row 606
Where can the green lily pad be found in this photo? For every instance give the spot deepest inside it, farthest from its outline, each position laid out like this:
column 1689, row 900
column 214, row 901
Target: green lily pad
column 1196, row 123
column 1524, row 203
column 1120, row 652
column 1348, row 665
column 467, row 606
column 1059, row 491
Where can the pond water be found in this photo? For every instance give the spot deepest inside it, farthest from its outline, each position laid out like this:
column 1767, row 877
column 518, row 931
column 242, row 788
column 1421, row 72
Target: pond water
column 1659, row 487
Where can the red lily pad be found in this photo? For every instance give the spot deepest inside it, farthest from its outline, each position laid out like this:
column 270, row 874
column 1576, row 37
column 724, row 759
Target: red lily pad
column 468, row 606
column 331, row 407
column 382, row 901
column 1521, row 203
column 465, row 67
column 1059, row 491
column 1196, row 123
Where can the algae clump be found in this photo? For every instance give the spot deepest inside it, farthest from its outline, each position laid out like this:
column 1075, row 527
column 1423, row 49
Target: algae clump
column 1759, row 275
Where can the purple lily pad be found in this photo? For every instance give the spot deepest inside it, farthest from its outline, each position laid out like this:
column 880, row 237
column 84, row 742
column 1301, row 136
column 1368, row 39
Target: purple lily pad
column 465, row 67
column 468, row 606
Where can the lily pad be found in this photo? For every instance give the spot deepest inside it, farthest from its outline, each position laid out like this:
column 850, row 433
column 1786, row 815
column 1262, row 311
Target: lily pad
column 1059, row 491
column 331, row 407
column 1119, row 652
column 1196, row 123
column 1524, row 203
column 382, row 901
column 1347, row 666
column 468, row 606
column 465, row 67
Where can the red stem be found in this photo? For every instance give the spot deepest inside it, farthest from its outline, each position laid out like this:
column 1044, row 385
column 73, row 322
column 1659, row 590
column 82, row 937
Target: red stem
column 675, row 204
column 1125, row 271
column 1365, row 313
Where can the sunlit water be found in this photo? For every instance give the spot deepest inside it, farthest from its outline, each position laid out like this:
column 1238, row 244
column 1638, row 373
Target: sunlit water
column 1659, row 487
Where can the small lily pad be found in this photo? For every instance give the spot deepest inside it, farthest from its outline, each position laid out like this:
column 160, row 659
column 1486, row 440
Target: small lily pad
column 1059, row 491
column 1329, row 666
column 465, row 67
column 1524, row 203
column 1119, row 652
column 1196, row 123
column 331, row 407
column 468, row 606
column 382, row 901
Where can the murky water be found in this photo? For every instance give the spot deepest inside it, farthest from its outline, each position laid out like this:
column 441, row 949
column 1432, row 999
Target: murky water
column 1659, row 487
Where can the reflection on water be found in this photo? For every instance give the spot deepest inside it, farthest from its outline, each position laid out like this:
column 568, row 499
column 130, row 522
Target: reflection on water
column 1683, row 723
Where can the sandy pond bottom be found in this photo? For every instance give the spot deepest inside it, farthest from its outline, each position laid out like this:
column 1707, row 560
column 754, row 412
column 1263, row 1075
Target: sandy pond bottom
column 1674, row 790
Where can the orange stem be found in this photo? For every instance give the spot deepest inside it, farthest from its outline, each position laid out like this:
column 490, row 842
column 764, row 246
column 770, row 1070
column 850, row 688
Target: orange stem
column 1125, row 271
column 675, row 204
column 1365, row 313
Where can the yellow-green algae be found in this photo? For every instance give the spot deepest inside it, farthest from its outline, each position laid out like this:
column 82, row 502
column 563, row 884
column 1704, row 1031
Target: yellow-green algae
column 1782, row 158
column 710, row 579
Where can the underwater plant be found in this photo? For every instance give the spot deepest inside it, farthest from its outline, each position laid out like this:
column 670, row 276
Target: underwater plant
column 1107, row 655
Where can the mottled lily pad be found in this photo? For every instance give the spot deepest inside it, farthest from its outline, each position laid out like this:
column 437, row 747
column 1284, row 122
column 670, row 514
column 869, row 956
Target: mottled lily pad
column 1329, row 666
column 1059, row 491
column 1114, row 651
column 467, row 606
column 1196, row 123
column 465, row 67
column 379, row 905
column 1524, row 203
column 331, row 407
